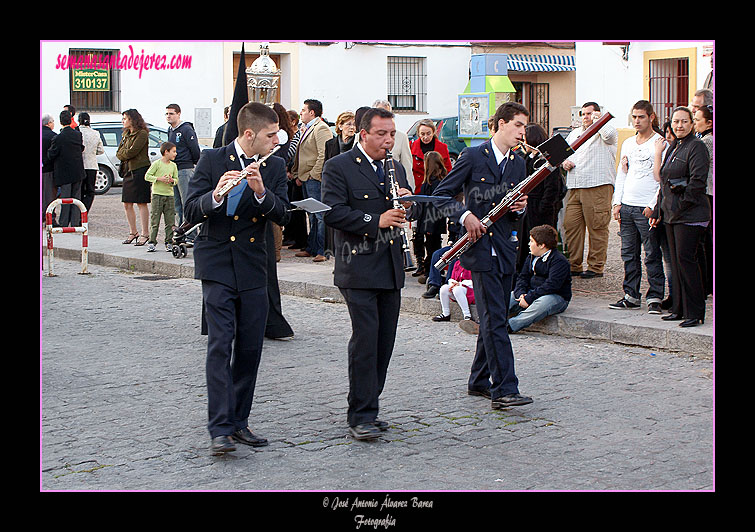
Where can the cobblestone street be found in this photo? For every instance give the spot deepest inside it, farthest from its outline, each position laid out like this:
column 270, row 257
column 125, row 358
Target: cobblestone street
column 124, row 405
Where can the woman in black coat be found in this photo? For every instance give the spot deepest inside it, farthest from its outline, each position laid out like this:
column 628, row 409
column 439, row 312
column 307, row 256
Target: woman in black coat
column 685, row 211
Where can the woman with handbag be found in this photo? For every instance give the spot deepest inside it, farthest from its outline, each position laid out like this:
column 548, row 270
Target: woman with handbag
column 132, row 152
column 685, row 211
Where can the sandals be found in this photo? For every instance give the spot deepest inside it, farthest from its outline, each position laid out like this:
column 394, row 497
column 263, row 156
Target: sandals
column 131, row 238
column 140, row 242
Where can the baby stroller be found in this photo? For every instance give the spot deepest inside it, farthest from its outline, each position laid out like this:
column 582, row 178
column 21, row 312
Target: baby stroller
column 180, row 242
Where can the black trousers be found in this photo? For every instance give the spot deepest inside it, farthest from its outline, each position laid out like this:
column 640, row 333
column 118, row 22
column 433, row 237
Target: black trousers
column 493, row 364
column 235, row 333
column 688, row 287
column 374, row 317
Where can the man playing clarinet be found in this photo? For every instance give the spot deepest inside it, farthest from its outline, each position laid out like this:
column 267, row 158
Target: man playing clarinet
column 485, row 173
column 369, row 260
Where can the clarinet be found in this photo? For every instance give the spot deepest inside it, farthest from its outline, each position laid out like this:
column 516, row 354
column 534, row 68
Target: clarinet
column 408, row 261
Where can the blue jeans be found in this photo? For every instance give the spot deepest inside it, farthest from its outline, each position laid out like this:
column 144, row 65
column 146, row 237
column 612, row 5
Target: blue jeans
column 542, row 307
column 316, row 239
column 181, row 191
column 636, row 235
column 434, row 277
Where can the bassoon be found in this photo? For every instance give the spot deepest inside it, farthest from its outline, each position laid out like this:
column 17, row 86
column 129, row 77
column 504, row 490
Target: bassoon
column 553, row 152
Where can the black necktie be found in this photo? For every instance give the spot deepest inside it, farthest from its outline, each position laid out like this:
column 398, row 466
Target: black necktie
column 379, row 171
column 502, row 165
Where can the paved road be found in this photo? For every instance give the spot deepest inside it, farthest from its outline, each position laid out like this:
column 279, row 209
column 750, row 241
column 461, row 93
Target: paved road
column 124, row 404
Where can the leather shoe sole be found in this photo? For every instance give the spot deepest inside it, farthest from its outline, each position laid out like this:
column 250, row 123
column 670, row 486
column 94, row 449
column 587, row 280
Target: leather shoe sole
column 221, row 445
column 246, row 437
column 513, row 399
column 364, row 431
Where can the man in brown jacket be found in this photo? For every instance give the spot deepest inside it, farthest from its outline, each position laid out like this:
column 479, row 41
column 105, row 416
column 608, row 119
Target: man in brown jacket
column 307, row 169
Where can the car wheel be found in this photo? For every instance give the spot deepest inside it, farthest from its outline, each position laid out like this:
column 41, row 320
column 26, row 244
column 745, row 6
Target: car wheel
column 103, row 181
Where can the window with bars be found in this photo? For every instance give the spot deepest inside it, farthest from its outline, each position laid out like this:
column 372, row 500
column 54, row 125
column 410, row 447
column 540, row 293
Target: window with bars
column 407, row 84
column 95, row 100
column 669, row 85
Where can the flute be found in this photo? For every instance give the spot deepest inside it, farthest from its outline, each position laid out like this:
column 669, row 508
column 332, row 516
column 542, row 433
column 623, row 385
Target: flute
column 245, row 172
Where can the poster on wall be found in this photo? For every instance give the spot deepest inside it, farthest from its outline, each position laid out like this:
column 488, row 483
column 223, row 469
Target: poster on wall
column 473, row 115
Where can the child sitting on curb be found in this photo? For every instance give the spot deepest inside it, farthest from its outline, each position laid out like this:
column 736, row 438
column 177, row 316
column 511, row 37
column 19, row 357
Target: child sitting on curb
column 458, row 288
column 543, row 287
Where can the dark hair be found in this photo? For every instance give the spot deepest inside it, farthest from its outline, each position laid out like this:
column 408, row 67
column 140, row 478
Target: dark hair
column 137, row 122
column 434, row 166
column 366, row 120
column 707, row 111
column 174, row 106
column 358, row 114
column 667, row 126
column 70, row 108
column 314, row 105
column 545, row 234
column 84, row 119
column 166, row 146
column 686, row 109
column 644, row 105
column 508, row 110
column 284, row 121
column 593, row 104
column 535, row 134
column 255, row 116
column 65, row 117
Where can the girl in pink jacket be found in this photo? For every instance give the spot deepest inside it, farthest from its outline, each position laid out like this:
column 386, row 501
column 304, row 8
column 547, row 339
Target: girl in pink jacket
column 458, row 288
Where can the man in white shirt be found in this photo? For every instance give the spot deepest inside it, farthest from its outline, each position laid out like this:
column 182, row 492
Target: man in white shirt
column 633, row 203
column 590, row 176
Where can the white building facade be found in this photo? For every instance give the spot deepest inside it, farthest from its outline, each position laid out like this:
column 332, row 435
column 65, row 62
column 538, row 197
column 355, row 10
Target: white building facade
column 422, row 79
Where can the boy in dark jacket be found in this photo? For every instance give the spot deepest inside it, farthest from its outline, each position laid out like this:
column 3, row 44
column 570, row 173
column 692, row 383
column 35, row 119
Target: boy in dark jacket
column 543, row 287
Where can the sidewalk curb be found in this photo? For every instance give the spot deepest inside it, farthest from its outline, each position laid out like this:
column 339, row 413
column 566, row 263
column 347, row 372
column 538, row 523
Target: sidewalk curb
column 585, row 318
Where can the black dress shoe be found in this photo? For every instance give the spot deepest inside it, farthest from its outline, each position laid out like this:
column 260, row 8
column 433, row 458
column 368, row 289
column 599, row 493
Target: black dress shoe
column 692, row 322
column 382, row 425
column 432, row 291
column 512, row 399
column 588, row 274
column 441, row 317
column 246, row 437
column 364, row 431
column 479, row 393
column 672, row 317
column 221, row 445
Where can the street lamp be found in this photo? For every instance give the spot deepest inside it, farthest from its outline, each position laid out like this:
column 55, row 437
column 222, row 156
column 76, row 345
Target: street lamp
column 262, row 78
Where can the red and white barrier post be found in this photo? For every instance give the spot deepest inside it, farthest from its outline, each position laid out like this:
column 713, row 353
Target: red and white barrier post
column 83, row 229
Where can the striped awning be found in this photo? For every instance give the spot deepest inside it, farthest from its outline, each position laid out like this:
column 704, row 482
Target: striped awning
column 541, row 63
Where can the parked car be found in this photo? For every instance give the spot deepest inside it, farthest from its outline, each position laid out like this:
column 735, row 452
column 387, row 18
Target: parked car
column 563, row 131
column 448, row 133
column 111, row 132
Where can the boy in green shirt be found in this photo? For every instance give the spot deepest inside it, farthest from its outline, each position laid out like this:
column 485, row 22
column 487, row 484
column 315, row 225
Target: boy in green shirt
column 163, row 174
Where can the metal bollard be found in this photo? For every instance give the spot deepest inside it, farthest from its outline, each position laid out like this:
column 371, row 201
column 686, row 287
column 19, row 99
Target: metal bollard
column 83, row 229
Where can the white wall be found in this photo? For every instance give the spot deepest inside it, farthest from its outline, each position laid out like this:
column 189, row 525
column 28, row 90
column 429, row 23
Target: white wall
column 200, row 86
column 615, row 84
column 343, row 79
column 348, row 79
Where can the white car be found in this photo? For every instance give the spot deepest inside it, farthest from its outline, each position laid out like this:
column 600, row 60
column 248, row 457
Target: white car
column 110, row 132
